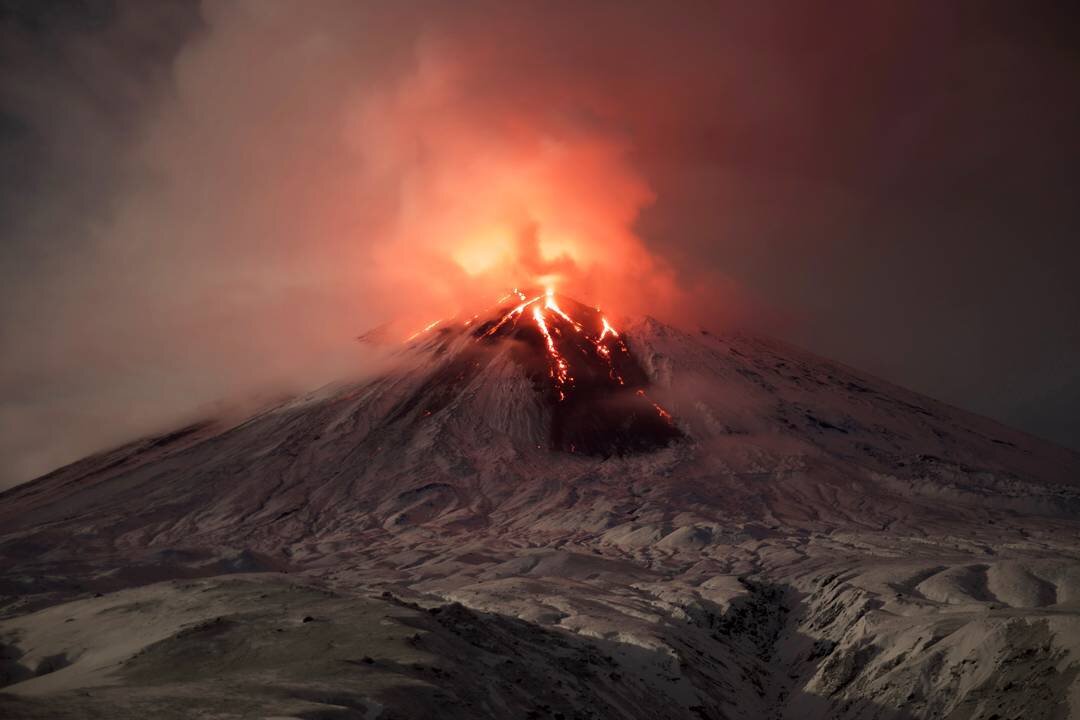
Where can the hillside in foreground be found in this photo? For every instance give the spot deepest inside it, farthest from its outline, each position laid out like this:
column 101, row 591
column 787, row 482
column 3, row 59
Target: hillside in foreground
column 539, row 515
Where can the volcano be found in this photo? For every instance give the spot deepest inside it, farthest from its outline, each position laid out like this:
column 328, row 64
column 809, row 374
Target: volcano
column 535, row 513
column 595, row 391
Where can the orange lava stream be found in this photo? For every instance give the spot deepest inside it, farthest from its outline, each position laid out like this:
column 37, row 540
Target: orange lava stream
column 559, row 368
column 420, row 332
column 608, row 330
column 663, row 413
column 551, row 305
column 512, row 314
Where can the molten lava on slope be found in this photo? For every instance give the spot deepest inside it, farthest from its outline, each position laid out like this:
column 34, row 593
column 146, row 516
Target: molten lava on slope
column 586, row 373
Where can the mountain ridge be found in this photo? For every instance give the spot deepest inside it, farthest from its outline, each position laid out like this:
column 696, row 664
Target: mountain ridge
column 814, row 543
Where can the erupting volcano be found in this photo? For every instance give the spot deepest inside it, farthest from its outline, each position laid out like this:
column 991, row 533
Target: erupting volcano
column 579, row 364
column 539, row 512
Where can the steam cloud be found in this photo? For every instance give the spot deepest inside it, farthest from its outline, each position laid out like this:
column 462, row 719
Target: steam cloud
column 217, row 198
column 295, row 174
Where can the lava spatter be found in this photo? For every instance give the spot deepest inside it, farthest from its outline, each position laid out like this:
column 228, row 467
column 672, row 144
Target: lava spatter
column 546, row 316
column 582, row 364
column 579, row 363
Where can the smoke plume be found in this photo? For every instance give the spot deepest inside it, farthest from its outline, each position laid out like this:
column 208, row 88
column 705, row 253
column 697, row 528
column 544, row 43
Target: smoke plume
column 210, row 201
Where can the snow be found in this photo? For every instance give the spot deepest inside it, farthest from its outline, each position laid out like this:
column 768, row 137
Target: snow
column 817, row 543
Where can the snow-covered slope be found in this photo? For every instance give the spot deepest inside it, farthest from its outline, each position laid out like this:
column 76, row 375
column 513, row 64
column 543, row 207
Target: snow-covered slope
column 732, row 525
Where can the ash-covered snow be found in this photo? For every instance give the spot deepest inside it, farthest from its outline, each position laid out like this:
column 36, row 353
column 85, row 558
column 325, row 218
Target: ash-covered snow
column 808, row 542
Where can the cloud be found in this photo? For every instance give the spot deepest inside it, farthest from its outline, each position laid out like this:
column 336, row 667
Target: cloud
column 287, row 176
column 210, row 201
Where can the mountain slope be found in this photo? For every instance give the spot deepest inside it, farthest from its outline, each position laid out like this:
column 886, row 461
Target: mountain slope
column 743, row 528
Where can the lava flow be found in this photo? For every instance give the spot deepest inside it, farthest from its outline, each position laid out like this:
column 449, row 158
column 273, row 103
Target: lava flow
column 596, row 387
column 578, row 362
column 546, row 314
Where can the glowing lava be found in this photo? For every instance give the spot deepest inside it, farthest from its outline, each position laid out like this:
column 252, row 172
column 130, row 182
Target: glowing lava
column 510, row 316
column 550, row 304
column 608, row 330
column 577, row 360
column 560, row 370
column 420, row 332
column 543, row 313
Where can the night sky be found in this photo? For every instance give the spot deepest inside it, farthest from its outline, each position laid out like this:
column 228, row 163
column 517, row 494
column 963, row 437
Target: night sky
column 202, row 201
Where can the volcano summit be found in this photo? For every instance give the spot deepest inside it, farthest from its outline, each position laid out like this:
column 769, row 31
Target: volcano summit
column 538, row 514
column 593, row 387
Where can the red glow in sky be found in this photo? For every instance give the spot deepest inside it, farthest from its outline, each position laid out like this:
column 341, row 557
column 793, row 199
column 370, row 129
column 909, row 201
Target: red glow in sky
column 500, row 194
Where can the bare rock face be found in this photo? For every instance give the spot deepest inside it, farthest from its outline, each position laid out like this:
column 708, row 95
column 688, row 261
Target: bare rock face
column 539, row 515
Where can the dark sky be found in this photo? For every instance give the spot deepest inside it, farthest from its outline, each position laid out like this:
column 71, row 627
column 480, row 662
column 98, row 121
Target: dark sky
column 891, row 184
